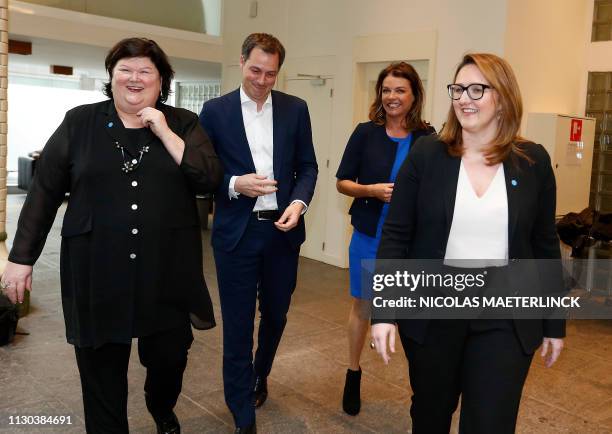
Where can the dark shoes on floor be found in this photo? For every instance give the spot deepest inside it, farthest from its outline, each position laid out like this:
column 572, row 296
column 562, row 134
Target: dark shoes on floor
column 351, row 400
column 251, row 429
column 169, row 426
column 260, row 391
column 260, row 394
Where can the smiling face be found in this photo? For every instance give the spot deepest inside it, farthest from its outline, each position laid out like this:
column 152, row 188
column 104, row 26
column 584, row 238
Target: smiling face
column 259, row 72
column 135, row 83
column 397, row 97
column 476, row 116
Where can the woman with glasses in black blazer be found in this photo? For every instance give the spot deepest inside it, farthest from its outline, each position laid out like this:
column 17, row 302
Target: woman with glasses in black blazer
column 476, row 191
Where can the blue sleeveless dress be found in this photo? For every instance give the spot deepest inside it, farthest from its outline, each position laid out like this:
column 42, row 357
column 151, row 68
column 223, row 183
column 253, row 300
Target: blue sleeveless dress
column 363, row 246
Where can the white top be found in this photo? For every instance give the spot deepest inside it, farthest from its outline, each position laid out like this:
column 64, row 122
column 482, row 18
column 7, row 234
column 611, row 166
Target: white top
column 480, row 225
column 258, row 126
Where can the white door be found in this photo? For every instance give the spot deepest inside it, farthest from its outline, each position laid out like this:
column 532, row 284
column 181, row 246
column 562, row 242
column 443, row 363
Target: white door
column 318, row 94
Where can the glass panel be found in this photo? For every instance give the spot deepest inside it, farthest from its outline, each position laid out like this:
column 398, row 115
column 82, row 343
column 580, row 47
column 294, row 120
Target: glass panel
column 606, row 162
column 605, row 142
column 596, row 101
column 595, row 162
column 606, row 125
column 606, row 203
column 597, row 81
column 606, row 184
column 609, row 100
column 599, row 116
column 603, row 11
column 592, row 200
column 601, row 32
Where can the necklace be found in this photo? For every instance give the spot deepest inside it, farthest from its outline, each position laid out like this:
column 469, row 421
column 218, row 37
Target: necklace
column 131, row 165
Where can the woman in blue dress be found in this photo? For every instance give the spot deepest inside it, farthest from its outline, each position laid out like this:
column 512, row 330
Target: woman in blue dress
column 371, row 160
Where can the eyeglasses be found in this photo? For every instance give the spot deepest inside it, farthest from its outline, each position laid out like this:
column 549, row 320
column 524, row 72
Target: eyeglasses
column 475, row 90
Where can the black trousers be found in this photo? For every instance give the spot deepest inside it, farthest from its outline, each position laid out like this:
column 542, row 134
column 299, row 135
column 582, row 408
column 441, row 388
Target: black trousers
column 262, row 267
column 104, row 383
column 480, row 360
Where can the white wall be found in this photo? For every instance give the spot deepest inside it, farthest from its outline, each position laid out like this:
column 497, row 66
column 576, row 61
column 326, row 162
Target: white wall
column 320, row 37
column 319, row 28
column 545, row 44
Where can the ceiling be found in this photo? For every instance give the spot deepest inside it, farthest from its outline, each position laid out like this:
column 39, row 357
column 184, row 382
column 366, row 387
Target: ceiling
column 89, row 60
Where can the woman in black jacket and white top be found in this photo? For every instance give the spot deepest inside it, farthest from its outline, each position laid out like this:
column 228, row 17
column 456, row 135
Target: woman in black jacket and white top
column 478, row 191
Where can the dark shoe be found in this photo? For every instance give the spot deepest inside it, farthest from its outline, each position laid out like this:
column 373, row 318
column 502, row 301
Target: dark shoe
column 260, row 391
column 170, row 426
column 251, row 429
column 351, row 400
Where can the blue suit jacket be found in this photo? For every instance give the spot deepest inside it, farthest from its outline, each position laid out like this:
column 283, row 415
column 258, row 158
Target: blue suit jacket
column 295, row 164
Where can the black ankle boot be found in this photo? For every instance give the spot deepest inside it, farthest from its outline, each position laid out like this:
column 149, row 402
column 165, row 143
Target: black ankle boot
column 169, row 426
column 351, row 400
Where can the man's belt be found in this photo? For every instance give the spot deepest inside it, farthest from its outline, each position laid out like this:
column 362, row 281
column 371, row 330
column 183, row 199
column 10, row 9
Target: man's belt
column 272, row 214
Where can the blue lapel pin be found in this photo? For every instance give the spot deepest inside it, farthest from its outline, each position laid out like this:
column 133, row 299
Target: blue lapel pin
column 514, row 183
column 110, row 124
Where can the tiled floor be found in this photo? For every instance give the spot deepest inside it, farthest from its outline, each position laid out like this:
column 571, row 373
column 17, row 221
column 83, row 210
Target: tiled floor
column 38, row 374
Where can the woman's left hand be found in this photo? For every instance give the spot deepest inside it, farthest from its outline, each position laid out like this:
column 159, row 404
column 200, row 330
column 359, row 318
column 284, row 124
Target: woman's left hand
column 555, row 345
column 155, row 120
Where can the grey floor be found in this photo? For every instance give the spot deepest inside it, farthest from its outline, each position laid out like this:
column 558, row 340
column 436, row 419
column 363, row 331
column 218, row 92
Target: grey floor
column 38, row 374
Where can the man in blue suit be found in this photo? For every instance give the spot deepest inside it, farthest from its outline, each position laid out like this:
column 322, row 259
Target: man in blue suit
column 264, row 140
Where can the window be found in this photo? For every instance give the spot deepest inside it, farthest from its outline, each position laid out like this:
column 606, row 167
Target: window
column 599, row 106
column 192, row 95
column 602, row 21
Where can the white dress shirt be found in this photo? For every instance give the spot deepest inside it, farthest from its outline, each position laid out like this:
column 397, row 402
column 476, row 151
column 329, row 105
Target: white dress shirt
column 480, row 224
column 259, row 128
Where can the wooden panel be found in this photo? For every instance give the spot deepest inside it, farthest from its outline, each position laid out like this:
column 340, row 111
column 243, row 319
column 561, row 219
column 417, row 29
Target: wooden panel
column 20, row 47
column 62, row 70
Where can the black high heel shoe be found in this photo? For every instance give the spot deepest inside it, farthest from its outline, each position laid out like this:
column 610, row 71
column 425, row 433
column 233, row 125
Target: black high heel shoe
column 351, row 400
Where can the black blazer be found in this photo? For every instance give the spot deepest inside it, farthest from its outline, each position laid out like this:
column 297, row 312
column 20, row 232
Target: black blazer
column 295, row 163
column 131, row 258
column 421, row 213
column 368, row 159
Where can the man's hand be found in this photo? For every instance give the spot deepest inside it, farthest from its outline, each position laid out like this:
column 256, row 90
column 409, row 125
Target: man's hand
column 290, row 217
column 254, row 185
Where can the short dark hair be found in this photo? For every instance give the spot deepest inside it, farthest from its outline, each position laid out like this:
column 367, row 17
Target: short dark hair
column 267, row 43
column 413, row 117
column 140, row 47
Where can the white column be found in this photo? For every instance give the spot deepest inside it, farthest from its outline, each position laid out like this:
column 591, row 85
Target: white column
column 3, row 126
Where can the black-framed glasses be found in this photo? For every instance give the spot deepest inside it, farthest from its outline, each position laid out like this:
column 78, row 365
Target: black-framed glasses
column 475, row 90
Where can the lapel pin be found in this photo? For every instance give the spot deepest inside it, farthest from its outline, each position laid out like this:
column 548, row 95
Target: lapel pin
column 514, row 183
column 110, row 124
